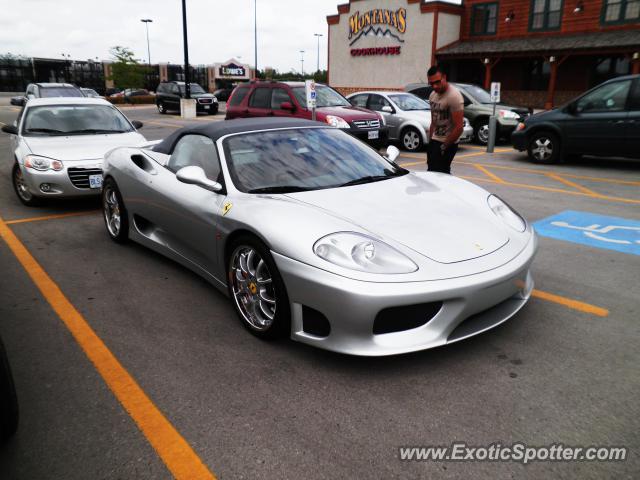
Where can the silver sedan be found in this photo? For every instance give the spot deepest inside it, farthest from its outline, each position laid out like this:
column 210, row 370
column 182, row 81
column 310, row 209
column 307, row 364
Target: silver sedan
column 314, row 235
column 58, row 145
column 407, row 116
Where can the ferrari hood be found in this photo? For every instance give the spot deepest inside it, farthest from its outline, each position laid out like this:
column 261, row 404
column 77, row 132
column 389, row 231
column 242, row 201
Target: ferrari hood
column 81, row 147
column 417, row 213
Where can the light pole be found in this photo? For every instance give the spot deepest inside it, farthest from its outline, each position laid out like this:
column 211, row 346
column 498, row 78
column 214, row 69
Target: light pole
column 146, row 22
column 318, row 35
column 67, row 59
column 255, row 36
column 187, row 77
column 302, row 62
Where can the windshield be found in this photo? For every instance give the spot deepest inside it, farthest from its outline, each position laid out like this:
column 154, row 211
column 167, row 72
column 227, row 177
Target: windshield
column 74, row 120
column 49, row 92
column 303, row 159
column 325, row 97
column 195, row 88
column 478, row 94
column 407, row 101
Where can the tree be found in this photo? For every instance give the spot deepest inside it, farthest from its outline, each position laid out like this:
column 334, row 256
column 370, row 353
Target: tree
column 126, row 71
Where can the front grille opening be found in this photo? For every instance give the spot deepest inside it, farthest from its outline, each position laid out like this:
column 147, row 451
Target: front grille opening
column 80, row 176
column 314, row 322
column 367, row 123
column 399, row 319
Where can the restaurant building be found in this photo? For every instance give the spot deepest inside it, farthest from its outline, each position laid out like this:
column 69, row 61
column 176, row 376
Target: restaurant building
column 542, row 51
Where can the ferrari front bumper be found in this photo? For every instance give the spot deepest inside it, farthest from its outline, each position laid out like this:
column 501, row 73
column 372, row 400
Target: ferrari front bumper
column 470, row 305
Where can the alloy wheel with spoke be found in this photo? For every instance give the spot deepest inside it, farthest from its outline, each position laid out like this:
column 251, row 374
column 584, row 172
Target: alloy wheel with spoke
column 253, row 288
column 21, row 186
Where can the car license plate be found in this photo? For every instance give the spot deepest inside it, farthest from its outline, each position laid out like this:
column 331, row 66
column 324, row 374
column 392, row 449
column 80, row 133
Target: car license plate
column 95, row 181
column 206, row 107
column 373, row 134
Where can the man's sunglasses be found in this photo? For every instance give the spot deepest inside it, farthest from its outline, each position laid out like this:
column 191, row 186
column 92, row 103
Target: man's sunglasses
column 437, row 82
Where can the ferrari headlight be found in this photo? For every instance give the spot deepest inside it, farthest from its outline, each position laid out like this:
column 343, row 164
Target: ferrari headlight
column 506, row 213
column 465, row 122
column 42, row 163
column 337, row 122
column 360, row 252
column 508, row 115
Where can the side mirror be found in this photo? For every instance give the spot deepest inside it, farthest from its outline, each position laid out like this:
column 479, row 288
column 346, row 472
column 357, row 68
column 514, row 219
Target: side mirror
column 572, row 108
column 137, row 124
column 18, row 101
column 287, row 106
column 392, row 153
column 10, row 129
column 387, row 109
column 195, row 176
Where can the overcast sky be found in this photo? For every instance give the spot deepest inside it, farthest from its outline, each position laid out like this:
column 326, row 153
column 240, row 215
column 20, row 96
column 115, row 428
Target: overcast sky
column 218, row 29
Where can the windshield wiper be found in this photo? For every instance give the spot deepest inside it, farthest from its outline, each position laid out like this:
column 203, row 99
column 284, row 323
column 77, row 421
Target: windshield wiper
column 367, row 179
column 96, row 131
column 43, row 130
column 281, row 189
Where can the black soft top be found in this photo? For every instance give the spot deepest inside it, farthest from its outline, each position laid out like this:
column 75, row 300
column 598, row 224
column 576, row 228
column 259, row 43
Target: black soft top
column 216, row 130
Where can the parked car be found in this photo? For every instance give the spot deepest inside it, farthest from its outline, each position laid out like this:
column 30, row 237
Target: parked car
column 47, row 90
column 90, row 92
column 168, row 95
column 8, row 399
column 58, row 145
column 407, row 116
column 223, row 94
column 111, row 91
column 604, row 121
column 298, row 223
column 478, row 108
column 135, row 92
column 288, row 99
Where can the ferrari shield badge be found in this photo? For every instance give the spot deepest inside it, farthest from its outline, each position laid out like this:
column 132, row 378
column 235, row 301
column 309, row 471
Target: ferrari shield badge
column 226, row 208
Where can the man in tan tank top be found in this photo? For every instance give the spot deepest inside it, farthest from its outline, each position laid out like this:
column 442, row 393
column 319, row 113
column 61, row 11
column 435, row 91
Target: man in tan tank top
column 447, row 122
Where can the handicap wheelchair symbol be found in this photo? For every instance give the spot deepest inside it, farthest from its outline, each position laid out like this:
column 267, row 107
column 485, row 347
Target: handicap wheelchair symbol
column 599, row 232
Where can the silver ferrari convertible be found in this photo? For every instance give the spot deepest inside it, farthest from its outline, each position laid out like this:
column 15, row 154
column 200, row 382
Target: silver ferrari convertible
column 316, row 236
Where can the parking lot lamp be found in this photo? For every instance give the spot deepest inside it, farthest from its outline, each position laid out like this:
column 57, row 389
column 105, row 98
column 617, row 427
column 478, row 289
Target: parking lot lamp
column 255, row 36
column 187, row 79
column 302, row 62
column 146, row 22
column 318, row 35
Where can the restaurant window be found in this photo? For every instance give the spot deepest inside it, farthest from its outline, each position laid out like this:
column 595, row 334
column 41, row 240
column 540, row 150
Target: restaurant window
column 484, row 19
column 538, row 74
column 620, row 11
column 545, row 15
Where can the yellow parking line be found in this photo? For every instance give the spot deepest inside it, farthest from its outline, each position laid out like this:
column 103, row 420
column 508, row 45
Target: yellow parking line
column 173, row 449
column 569, row 175
column 568, row 183
column 556, row 190
column 570, row 303
column 50, row 217
column 488, row 173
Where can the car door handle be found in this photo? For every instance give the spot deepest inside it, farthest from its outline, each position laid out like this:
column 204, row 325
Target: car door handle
column 617, row 122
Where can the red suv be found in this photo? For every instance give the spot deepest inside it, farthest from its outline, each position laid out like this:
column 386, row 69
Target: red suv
column 289, row 99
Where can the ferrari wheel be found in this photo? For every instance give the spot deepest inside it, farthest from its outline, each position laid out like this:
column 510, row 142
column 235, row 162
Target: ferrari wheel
column 114, row 213
column 257, row 290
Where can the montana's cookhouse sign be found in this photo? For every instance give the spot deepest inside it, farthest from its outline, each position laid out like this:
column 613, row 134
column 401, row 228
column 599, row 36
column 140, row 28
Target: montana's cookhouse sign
column 390, row 24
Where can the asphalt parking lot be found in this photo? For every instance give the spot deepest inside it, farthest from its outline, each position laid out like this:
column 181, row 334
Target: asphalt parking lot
column 210, row 399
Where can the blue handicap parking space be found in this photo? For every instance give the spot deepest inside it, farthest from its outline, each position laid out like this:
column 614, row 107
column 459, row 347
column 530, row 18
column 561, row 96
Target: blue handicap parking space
column 601, row 231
